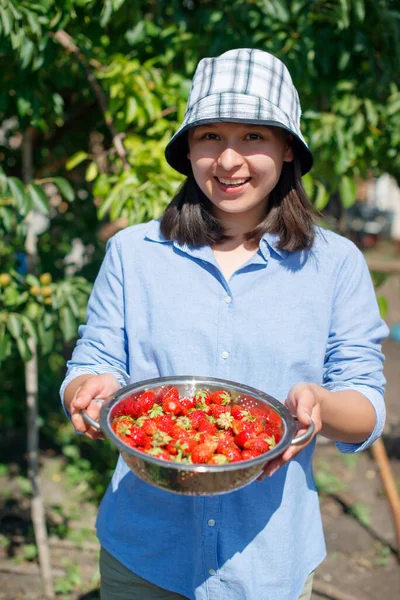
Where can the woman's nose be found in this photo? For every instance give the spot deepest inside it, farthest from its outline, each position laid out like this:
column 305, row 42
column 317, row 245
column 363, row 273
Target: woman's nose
column 229, row 159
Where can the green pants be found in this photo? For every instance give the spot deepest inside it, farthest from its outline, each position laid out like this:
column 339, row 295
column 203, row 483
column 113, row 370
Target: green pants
column 119, row 583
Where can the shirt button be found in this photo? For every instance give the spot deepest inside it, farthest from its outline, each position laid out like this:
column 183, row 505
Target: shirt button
column 228, row 299
column 211, row 522
column 212, row 572
column 225, row 354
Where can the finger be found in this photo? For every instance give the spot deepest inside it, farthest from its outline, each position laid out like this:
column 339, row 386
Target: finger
column 271, row 468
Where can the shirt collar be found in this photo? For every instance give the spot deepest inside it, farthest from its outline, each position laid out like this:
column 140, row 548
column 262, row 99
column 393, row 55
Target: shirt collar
column 268, row 242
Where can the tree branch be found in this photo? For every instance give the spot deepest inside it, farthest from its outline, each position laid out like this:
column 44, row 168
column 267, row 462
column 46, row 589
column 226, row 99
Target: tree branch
column 68, row 43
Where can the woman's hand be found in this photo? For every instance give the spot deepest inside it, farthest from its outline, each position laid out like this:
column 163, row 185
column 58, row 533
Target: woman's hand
column 302, row 401
column 87, row 397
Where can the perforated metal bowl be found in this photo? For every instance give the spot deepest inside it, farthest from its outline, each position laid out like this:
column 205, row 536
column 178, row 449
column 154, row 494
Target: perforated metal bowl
column 198, row 480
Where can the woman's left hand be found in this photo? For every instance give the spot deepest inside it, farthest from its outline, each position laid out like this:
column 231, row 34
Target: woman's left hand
column 302, row 401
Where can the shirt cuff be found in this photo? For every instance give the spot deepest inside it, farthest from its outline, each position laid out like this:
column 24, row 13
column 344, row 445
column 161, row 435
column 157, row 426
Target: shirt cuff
column 378, row 404
column 74, row 372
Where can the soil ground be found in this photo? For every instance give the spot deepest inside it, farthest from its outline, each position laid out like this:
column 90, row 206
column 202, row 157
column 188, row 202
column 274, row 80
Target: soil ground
column 360, row 535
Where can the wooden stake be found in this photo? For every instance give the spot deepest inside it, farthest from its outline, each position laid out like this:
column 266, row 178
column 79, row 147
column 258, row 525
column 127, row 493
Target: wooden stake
column 381, row 458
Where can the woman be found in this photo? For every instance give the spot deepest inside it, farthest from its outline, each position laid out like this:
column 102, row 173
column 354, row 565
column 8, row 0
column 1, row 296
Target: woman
column 235, row 282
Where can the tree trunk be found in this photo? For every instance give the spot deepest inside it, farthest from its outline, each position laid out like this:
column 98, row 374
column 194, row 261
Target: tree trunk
column 31, row 384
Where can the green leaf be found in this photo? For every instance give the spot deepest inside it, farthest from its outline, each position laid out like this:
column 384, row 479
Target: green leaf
column 383, row 306
column 7, row 217
column 40, row 201
column 68, row 323
column 7, row 20
column 347, row 188
column 30, row 328
column 322, row 197
column 46, row 337
column 11, row 296
column 131, row 109
column 91, row 172
column 308, row 184
column 76, row 160
column 14, row 325
column 66, row 189
column 18, row 192
column 23, row 349
column 5, row 343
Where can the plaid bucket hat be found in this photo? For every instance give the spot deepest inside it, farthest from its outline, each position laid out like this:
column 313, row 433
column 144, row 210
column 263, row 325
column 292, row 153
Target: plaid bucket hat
column 243, row 86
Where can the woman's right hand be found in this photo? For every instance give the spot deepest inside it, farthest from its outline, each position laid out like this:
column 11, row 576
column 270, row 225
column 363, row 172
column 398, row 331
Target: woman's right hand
column 94, row 387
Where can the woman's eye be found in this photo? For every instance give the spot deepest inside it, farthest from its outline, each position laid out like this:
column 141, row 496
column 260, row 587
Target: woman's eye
column 209, row 136
column 254, row 136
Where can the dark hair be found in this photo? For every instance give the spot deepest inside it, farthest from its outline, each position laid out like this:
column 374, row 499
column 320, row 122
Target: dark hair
column 188, row 219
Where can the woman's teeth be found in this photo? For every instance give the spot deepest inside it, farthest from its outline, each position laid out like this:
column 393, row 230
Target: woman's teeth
column 232, row 182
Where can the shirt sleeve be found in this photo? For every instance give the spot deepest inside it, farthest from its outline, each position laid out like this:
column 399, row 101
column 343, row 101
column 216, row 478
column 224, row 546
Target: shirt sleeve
column 354, row 359
column 102, row 347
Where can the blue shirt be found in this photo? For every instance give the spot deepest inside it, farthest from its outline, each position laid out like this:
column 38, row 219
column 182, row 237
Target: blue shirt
column 159, row 309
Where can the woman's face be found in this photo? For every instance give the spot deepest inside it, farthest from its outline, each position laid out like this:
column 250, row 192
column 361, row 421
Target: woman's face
column 238, row 165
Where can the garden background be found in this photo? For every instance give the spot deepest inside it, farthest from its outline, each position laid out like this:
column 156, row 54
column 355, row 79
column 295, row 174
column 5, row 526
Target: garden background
column 91, row 92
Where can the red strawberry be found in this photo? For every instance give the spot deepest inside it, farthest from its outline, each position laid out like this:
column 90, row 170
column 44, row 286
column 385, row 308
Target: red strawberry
column 249, row 454
column 232, row 452
column 160, row 438
column 159, row 453
column 218, row 409
column 202, row 453
column 165, row 423
column 201, row 397
column 186, row 405
column 137, row 437
column 196, row 416
column 146, row 400
column 186, row 445
column 171, row 403
column 220, row 397
column 225, row 421
column 218, row 459
column 207, row 427
column 171, row 448
column 149, row 427
column 243, row 437
column 122, row 426
column 258, row 444
column 238, row 426
column 131, row 407
column 238, row 412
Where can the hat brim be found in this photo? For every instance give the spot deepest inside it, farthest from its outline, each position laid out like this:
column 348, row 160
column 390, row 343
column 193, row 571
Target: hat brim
column 205, row 112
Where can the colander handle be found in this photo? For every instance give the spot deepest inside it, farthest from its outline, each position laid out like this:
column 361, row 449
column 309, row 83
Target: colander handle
column 88, row 419
column 304, row 437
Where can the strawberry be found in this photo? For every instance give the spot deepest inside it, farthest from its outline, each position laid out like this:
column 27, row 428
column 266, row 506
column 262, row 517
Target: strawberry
column 202, row 453
column 238, row 426
column 258, row 444
column 159, row 453
column 218, row 459
column 217, row 410
column 149, row 427
column 196, row 416
column 186, row 445
column 225, row 421
column 186, row 405
column 146, row 400
column 201, row 397
column 232, row 452
column 131, row 407
column 249, row 454
column 242, row 437
column 171, row 448
column 137, row 437
column 155, row 411
column 171, row 403
column 160, row 438
column 207, row 427
column 122, row 426
column 238, row 412
column 165, row 423
column 220, row 397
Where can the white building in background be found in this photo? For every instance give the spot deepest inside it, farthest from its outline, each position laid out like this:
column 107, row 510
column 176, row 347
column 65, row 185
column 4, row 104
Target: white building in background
column 384, row 193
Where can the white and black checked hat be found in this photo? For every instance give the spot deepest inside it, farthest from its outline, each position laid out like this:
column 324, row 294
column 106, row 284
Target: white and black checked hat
column 243, row 86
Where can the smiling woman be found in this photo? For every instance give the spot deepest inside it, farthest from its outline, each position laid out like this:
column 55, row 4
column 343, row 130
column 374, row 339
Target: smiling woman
column 236, row 282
